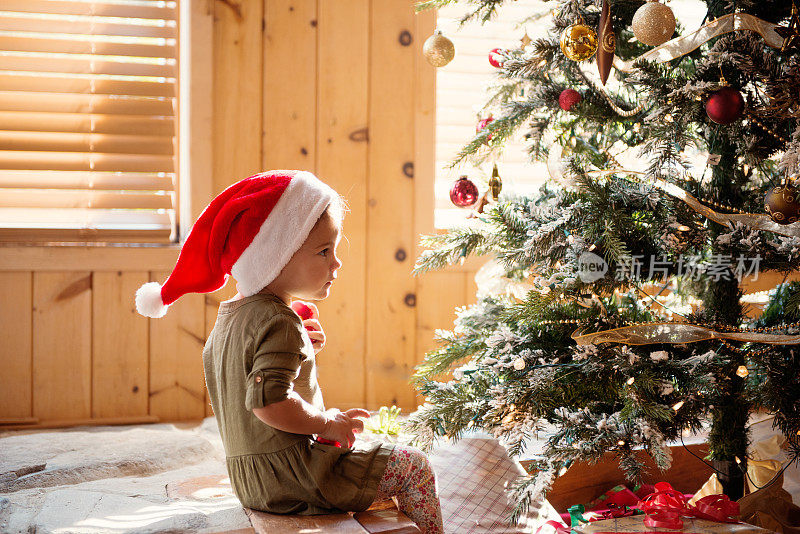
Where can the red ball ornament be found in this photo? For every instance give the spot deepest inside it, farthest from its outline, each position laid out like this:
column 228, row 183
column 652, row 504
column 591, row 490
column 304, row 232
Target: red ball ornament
column 568, row 98
column 495, row 59
column 464, row 193
column 725, row 105
column 483, row 123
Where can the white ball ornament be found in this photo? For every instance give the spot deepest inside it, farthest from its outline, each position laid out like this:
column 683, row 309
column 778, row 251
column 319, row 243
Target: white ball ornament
column 653, row 23
column 519, row 364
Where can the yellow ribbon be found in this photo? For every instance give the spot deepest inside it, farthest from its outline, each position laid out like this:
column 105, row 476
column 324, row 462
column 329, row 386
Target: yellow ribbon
column 677, row 333
column 757, row 221
column 761, row 469
column 680, row 46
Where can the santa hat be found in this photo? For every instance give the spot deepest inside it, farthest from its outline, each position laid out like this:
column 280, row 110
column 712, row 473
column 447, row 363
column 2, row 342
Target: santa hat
column 250, row 231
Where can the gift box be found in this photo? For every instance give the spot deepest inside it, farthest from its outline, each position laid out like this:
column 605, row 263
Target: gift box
column 668, row 510
column 691, row 525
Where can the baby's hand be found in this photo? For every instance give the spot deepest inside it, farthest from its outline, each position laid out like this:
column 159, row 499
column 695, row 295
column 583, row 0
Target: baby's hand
column 342, row 427
column 309, row 313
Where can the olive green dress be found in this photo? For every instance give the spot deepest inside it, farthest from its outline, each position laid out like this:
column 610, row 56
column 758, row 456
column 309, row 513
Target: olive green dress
column 256, row 354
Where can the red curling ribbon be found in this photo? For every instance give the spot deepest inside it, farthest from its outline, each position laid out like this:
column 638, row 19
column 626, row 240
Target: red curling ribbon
column 614, row 511
column 559, row 527
column 664, row 508
column 717, row 508
column 669, row 520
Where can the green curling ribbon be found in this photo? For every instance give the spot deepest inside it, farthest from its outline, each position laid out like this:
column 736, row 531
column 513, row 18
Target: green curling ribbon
column 576, row 515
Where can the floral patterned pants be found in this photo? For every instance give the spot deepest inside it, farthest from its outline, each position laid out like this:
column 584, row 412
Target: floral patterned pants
column 409, row 477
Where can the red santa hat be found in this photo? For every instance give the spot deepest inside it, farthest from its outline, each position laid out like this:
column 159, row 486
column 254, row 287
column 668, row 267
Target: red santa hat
column 250, row 231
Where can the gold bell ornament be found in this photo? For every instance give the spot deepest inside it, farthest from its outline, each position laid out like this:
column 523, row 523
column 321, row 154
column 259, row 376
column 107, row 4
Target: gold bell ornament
column 495, row 183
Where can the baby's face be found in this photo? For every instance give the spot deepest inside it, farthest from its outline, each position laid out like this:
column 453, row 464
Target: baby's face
column 312, row 269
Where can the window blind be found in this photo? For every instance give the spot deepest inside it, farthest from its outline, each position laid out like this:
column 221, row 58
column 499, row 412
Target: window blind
column 462, row 89
column 88, row 120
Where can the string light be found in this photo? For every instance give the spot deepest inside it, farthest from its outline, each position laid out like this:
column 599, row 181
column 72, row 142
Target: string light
column 630, row 381
column 621, row 443
column 562, row 471
column 742, row 371
column 678, row 405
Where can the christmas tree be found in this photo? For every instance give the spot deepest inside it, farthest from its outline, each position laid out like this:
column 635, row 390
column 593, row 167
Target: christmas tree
column 623, row 326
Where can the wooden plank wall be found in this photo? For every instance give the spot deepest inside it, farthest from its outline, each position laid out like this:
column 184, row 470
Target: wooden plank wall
column 337, row 88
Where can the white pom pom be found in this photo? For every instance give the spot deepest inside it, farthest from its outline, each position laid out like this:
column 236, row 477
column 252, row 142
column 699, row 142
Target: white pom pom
column 148, row 301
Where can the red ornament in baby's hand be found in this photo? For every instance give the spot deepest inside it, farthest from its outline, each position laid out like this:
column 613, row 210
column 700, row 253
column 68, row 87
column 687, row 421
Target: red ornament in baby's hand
column 304, row 311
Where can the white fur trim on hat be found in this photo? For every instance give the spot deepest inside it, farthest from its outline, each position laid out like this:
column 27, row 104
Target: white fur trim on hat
column 148, row 301
column 282, row 233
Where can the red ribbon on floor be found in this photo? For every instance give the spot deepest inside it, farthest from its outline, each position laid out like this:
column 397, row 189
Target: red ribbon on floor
column 665, row 507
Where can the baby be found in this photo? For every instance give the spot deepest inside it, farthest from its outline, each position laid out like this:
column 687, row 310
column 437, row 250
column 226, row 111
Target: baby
column 276, row 233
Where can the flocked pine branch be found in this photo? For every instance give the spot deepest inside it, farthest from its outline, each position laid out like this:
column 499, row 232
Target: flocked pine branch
column 514, row 362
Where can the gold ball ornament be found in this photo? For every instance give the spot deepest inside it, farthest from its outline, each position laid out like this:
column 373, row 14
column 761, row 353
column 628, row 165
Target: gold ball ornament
column 438, row 49
column 653, row 23
column 782, row 203
column 578, row 42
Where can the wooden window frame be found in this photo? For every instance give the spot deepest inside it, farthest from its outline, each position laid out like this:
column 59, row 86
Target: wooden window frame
column 195, row 42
